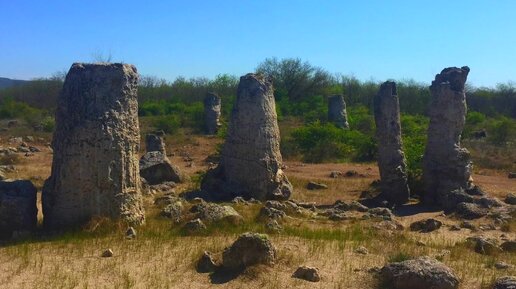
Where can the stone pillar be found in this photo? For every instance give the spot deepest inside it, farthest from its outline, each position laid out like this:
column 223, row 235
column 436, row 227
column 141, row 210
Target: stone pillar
column 212, row 109
column 391, row 160
column 18, row 210
column 155, row 143
column 337, row 111
column 250, row 164
column 95, row 163
column 446, row 166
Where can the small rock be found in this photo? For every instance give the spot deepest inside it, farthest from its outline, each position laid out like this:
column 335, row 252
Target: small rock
column 130, row 233
column 273, row 226
column 271, row 213
column 362, row 250
column 511, row 175
column 425, row 226
column 173, row 211
column 206, row 263
column 307, row 273
column 194, row 226
column 351, row 173
column 249, row 249
column 510, row 199
column 335, row 174
column 483, row 245
column 421, row 243
column 107, row 253
column 501, row 265
column 470, row 211
column 34, row 149
column 454, row 228
column 316, row 186
column 509, row 246
column 468, row 225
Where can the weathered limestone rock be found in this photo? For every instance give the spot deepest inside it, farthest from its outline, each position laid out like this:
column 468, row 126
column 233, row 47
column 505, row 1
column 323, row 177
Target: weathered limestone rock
column 156, row 168
column 337, row 111
column 155, row 143
column 18, row 211
column 307, row 273
column 250, row 164
column 391, row 160
column 95, row 162
column 212, row 109
column 249, row 249
column 446, row 166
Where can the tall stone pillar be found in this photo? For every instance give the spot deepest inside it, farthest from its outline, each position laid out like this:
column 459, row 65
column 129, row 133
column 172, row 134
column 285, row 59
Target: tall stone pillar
column 250, row 164
column 212, row 109
column 391, row 159
column 446, row 166
column 95, row 164
column 337, row 111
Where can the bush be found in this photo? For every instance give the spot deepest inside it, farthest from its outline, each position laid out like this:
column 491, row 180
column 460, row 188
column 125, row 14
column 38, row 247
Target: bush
column 502, row 130
column 168, row 123
column 48, row 124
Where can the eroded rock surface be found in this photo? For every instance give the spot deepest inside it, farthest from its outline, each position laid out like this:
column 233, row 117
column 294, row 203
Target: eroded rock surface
column 391, row 159
column 95, row 147
column 18, row 211
column 250, row 164
column 446, row 166
column 337, row 111
column 212, row 110
column 249, row 249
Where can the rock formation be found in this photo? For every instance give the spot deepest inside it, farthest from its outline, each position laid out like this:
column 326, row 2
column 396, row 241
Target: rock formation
column 156, row 168
column 337, row 111
column 446, row 166
column 154, row 142
column 18, row 211
column 212, row 109
column 391, row 160
column 249, row 249
column 250, row 164
column 95, row 163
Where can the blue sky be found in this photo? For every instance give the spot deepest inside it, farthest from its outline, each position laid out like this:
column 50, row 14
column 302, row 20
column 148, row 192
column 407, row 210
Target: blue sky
column 368, row 39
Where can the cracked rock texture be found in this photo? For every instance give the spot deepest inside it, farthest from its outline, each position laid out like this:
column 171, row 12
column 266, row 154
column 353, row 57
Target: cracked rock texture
column 446, row 166
column 391, row 159
column 212, row 109
column 250, row 164
column 337, row 111
column 95, row 162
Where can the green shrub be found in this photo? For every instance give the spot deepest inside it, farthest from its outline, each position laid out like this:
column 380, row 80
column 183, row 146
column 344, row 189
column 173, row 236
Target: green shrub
column 502, row 130
column 48, row 124
column 168, row 123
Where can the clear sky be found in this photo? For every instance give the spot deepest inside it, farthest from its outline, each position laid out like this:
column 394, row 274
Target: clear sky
column 368, row 39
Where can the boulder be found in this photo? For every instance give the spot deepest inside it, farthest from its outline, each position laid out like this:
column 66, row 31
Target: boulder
column 206, row 263
column 420, row 273
column 212, row 213
column 425, row 226
column 471, row 211
column 156, row 168
column 95, row 148
column 18, row 211
column 194, row 226
column 510, row 199
column 507, row 282
column 483, row 245
column 251, row 162
column 509, row 246
column 391, row 159
column 307, row 273
column 249, row 249
column 446, row 165
column 173, row 211
column 155, row 143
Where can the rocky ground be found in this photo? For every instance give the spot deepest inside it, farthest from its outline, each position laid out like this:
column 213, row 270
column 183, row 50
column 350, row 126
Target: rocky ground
column 321, row 228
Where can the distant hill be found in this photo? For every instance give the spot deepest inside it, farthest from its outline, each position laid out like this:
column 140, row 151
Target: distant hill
column 7, row 82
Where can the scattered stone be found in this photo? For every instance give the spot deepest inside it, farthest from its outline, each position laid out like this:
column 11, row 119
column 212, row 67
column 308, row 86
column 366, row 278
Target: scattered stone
column 213, row 213
column 335, row 216
column 173, row 211
column 194, row 226
column 130, row 233
column 34, row 149
column 206, row 263
column 389, row 225
column 468, row 225
column 511, row 175
column 454, row 228
column 316, row 186
column 483, row 245
column 500, row 265
column 391, row 159
column 271, row 213
column 212, row 110
column 250, row 164
column 470, row 211
column 487, row 227
column 239, row 200
column 446, row 166
column 307, row 273
column 510, row 199
column 18, row 210
column 156, row 168
column 335, row 174
column 155, row 143
column 507, row 282
column 425, row 226
column 107, row 253
column 509, row 246
column 384, row 213
column 420, row 243
column 95, row 144
column 420, row 273
column 273, row 226
column 362, row 250
column 351, row 173
column 249, row 249
column 337, row 111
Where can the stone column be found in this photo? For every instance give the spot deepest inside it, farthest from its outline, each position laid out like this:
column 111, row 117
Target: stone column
column 95, row 164
column 391, row 160
column 212, row 109
column 250, row 164
column 446, row 166
column 155, row 143
column 337, row 111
